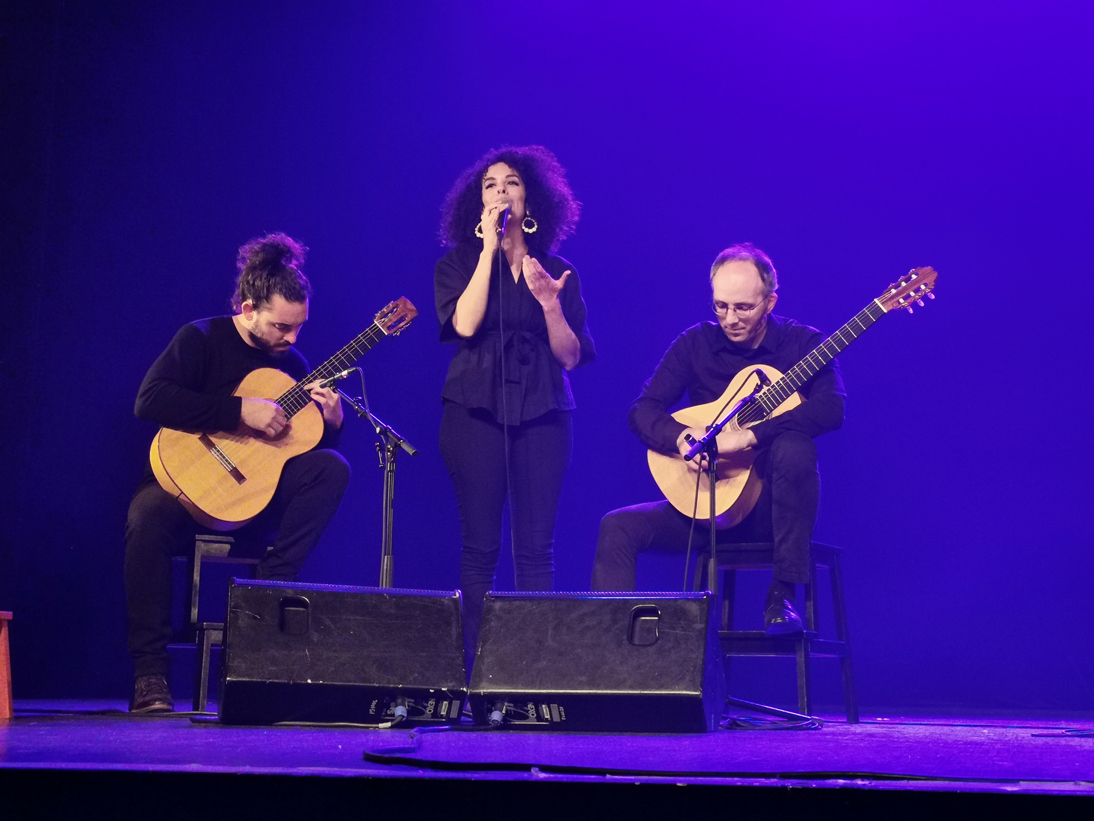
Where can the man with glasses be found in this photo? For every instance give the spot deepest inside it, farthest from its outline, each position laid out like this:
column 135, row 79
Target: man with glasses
column 701, row 362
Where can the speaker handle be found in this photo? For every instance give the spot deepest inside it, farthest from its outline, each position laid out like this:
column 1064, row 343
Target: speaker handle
column 295, row 615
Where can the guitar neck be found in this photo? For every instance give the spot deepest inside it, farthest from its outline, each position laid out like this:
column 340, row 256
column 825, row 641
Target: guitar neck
column 784, row 387
column 295, row 399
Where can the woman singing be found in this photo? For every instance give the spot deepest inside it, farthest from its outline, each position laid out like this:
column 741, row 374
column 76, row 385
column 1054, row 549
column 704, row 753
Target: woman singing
column 516, row 315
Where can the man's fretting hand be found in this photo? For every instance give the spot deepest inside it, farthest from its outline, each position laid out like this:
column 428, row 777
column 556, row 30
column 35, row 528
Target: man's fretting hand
column 329, row 402
column 263, row 416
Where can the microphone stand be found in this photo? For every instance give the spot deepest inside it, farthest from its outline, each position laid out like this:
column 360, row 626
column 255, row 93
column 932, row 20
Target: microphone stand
column 708, row 445
column 388, row 443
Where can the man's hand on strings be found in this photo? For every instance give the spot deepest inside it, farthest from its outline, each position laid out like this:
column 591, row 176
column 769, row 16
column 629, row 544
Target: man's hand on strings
column 683, row 445
column 730, row 440
column 329, row 402
column 263, row 416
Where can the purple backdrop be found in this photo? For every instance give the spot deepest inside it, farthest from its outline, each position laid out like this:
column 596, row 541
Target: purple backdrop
column 148, row 141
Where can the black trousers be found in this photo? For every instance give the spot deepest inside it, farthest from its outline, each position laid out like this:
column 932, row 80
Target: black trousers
column 158, row 527
column 473, row 448
column 785, row 514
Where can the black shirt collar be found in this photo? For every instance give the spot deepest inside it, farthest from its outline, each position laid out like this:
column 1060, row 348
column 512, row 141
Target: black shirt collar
column 772, row 338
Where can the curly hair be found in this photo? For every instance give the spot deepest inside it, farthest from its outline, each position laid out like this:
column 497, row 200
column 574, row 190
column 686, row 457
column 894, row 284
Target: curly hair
column 547, row 197
column 270, row 265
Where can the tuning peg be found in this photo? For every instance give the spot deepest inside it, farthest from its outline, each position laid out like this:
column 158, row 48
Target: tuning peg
column 909, row 307
column 930, row 294
column 919, row 302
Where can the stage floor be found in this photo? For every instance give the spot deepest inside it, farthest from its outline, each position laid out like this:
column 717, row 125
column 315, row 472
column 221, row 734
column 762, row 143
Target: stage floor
column 87, row 743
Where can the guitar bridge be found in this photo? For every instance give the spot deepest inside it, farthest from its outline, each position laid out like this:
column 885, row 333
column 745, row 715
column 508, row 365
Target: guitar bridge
column 222, row 458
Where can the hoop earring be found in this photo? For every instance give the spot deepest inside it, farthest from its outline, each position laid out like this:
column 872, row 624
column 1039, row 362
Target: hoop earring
column 478, row 230
column 524, row 224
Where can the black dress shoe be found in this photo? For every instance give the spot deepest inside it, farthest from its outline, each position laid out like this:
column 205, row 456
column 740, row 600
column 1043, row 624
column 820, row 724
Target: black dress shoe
column 151, row 695
column 780, row 617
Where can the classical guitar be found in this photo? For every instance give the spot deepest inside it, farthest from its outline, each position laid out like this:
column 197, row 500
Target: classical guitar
column 738, row 485
column 225, row 479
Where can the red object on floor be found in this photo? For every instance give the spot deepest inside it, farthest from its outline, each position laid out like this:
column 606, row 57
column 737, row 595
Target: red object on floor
column 5, row 667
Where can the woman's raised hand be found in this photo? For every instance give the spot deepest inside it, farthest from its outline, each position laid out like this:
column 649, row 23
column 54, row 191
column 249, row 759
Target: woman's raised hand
column 543, row 287
column 491, row 219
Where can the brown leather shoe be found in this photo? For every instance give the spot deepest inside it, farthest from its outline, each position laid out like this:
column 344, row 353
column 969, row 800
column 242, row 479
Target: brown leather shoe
column 151, row 695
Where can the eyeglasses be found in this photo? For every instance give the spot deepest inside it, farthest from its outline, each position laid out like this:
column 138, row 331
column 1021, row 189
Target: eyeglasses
column 741, row 311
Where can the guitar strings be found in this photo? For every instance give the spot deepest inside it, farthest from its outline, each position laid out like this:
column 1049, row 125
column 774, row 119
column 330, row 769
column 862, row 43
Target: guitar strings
column 295, row 399
column 771, row 398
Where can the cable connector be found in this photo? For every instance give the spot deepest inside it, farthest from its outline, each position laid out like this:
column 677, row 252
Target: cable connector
column 399, row 714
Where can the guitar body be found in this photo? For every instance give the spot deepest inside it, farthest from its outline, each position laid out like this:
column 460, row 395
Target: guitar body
column 738, row 486
column 226, row 479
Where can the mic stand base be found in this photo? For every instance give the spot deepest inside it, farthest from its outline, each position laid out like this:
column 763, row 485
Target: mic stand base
column 771, row 711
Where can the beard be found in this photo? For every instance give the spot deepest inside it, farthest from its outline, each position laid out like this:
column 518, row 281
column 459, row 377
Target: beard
column 272, row 349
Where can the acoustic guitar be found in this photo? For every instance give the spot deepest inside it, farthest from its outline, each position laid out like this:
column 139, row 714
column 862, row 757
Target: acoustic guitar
column 738, row 485
column 226, row 478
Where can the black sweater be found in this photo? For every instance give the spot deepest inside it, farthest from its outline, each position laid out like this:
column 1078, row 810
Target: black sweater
column 190, row 385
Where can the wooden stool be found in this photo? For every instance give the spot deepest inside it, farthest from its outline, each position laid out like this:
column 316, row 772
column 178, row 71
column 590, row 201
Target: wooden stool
column 804, row 646
column 7, row 708
column 218, row 548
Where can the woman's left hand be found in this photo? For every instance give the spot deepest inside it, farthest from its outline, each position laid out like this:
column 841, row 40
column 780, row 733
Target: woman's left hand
column 564, row 344
column 540, row 283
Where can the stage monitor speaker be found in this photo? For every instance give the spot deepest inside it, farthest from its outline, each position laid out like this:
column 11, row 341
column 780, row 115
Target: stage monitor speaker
column 616, row 662
column 319, row 653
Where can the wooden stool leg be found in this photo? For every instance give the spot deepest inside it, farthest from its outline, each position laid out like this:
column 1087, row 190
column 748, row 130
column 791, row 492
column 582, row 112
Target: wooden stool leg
column 728, row 592
column 201, row 669
column 195, row 585
column 7, row 706
column 805, row 695
column 850, row 699
column 812, row 621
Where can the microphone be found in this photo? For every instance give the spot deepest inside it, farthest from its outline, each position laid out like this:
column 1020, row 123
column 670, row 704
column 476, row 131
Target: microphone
column 762, row 377
column 505, row 214
column 330, row 380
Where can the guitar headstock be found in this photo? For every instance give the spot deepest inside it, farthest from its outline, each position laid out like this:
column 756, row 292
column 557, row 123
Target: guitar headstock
column 912, row 287
column 394, row 317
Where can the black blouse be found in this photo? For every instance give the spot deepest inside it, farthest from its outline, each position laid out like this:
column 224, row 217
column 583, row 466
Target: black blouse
column 511, row 339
